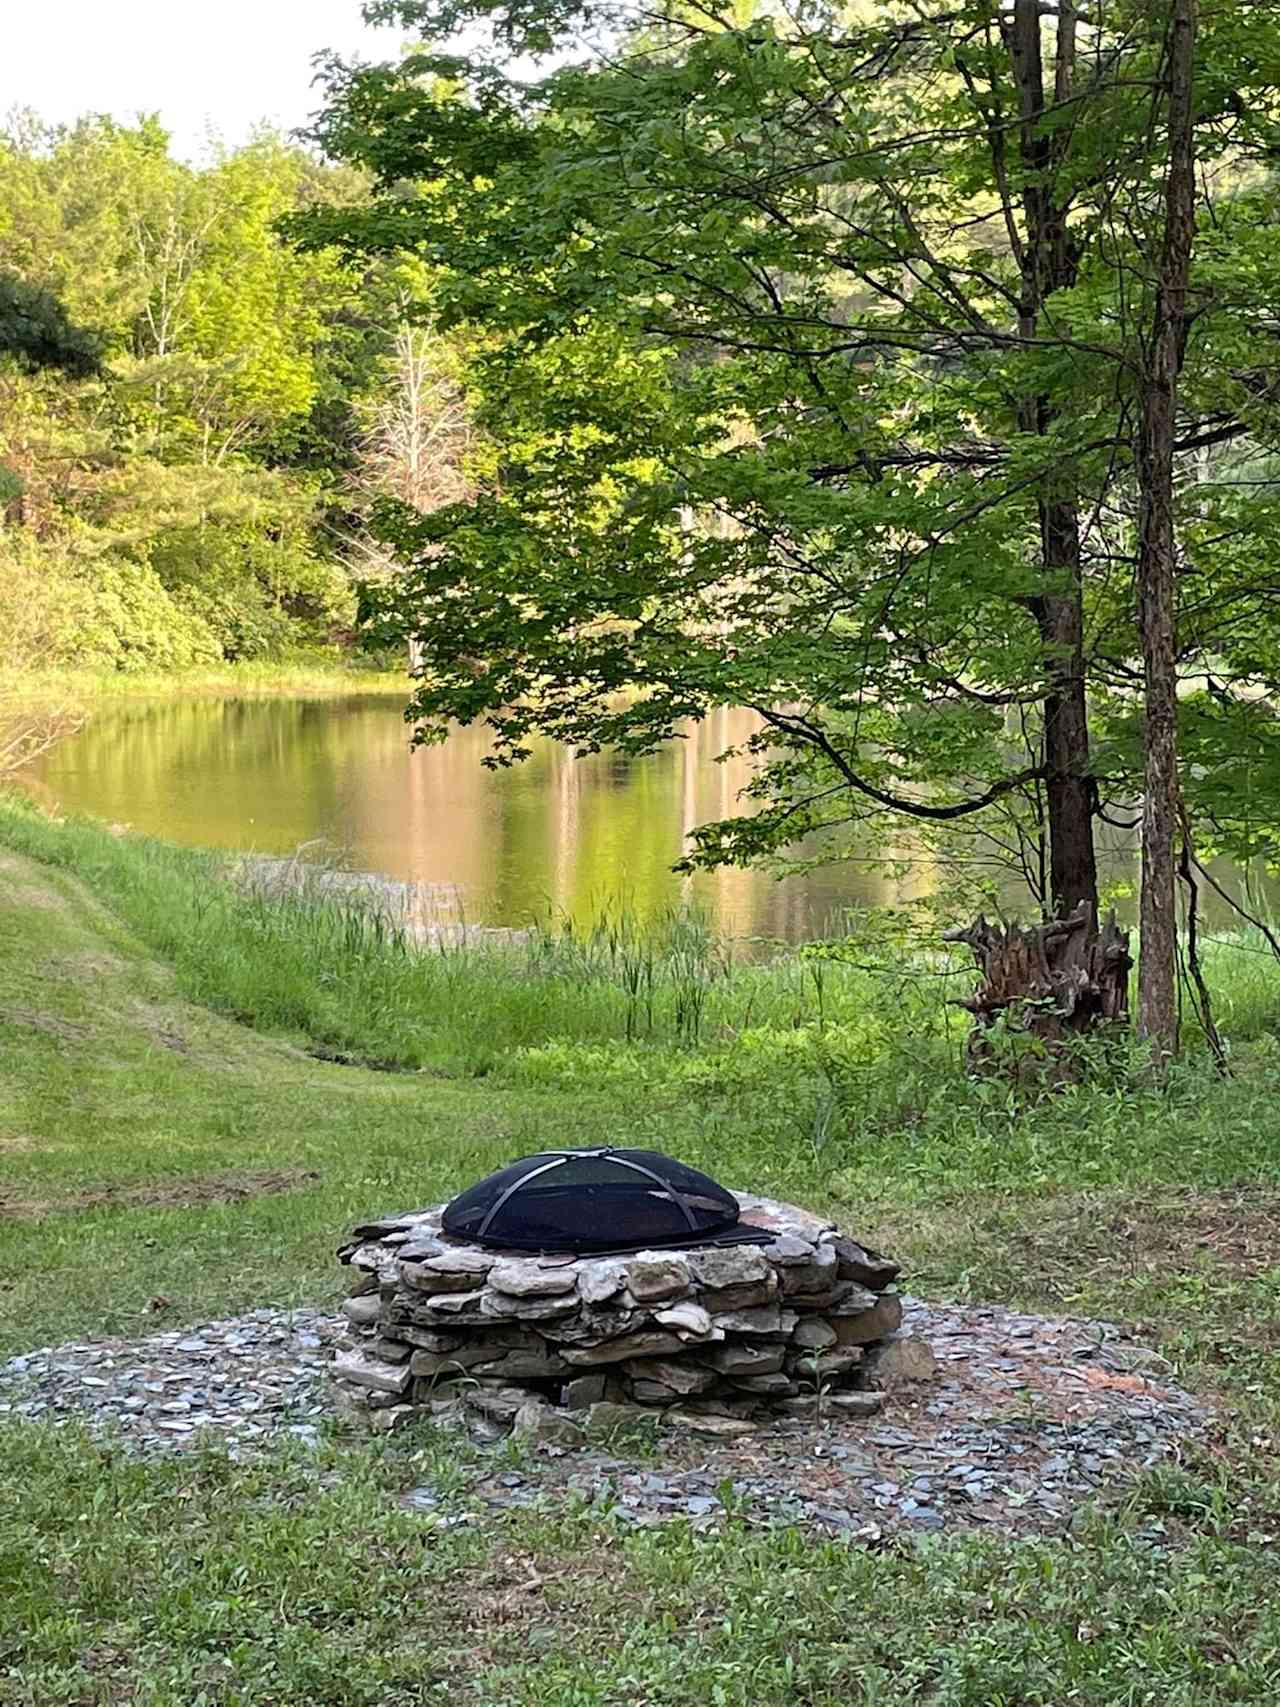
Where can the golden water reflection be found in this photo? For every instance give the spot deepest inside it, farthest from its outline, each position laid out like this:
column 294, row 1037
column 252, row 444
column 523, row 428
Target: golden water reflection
column 336, row 776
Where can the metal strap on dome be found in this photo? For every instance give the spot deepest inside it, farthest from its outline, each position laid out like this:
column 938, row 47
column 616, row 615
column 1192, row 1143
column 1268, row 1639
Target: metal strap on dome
column 559, row 1158
column 670, row 1190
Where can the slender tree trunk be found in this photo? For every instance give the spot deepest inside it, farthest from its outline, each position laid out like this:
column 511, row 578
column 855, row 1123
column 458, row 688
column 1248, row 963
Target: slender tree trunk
column 1048, row 264
column 1157, row 570
column 1073, row 870
column 1059, row 980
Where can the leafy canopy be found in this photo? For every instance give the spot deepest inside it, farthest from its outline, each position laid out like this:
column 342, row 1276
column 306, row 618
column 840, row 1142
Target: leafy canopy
column 770, row 420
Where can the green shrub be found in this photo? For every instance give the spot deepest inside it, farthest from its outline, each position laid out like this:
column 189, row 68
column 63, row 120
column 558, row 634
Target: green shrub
column 63, row 606
column 261, row 593
column 131, row 623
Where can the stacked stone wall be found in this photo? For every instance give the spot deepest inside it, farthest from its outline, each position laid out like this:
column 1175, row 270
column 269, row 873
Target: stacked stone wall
column 725, row 1331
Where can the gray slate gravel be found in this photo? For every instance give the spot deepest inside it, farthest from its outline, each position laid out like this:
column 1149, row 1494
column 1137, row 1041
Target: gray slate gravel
column 1029, row 1417
column 244, row 1380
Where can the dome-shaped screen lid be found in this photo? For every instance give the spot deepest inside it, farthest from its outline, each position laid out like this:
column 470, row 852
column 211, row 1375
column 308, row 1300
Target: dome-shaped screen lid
column 594, row 1200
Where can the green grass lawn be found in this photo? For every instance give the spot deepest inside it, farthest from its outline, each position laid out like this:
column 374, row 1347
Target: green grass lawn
column 172, row 1149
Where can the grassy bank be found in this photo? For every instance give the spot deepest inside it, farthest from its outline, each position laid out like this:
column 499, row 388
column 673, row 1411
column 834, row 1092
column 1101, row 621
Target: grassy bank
column 317, row 676
column 176, row 1142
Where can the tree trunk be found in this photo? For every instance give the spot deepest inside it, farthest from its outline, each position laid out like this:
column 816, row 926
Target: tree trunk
column 1073, row 870
column 1055, row 982
column 1157, row 570
column 1048, row 264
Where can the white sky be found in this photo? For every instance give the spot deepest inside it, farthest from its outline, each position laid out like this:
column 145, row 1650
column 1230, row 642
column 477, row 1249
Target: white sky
column 203, row 65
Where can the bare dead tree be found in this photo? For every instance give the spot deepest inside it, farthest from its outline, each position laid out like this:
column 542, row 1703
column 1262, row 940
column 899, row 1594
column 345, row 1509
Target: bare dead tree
column 414, row 447
column 418, row 433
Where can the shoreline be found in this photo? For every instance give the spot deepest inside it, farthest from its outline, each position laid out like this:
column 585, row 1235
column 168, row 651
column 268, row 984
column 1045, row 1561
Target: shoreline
column 242, row 681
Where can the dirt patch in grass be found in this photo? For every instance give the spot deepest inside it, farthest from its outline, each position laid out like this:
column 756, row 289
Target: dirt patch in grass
column 22, row 1144
column 37, row 899
column 1169, row 1231
column 1071, row 1239
column 90, row 963
column 53, row 1025
column 167, row 1194
column 168, row 1039
column 519, row 1588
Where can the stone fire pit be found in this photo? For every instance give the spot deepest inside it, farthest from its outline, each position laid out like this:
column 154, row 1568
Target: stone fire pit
column 711, row 1332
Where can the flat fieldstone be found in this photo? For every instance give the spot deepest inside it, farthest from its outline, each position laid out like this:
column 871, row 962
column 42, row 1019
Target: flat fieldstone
column 500, row 1403
column 387, row 1225
column 529, row 1279
column 818, row 1274
column 686, row 1318
column 462, row 1259
column 393, row 1419
column 601, row 1280
column 678, row 1377
column 827, row 1365
column 708, row 1423
column 525, row 1366
column 653, row 1275
column 867, row 1267
column 506, row 1306
column 447, row 1304
column 607, row 1417
column 775, row 1384
column 764, row 1321
column 904, row 1358
column 854, row 1404
column 787, row 1251
column 420, row 1248
column 426, row 1363
column 806, row 1406
column 363, row 1371
column 583, row 1391
column 744, row 1297
column 591, row 1327
column 813, row 1334
column 424, row 1339
column 362, row 1311
column 654, row 1344
column 728, row 1265
column 739, row 1358
column 536, row 1420
column 459, row 1271
column 852, row 1299
column 369, row 1257
column 882, row 1319
column 646, row 1392
column 389, row 1351
column 775, row 1216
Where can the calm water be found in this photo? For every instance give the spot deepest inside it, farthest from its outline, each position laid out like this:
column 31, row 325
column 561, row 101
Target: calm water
column 335, row 778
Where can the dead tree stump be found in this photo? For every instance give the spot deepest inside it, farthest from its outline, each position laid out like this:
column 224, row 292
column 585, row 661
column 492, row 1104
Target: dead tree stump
column 1053, row 983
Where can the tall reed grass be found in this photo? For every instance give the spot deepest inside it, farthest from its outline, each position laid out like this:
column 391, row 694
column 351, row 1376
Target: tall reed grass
column 623, row 1006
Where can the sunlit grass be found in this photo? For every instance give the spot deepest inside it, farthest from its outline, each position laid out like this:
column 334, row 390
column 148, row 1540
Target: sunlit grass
column 321, row 674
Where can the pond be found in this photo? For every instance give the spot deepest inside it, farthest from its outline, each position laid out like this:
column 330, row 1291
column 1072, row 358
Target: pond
column 334, row 778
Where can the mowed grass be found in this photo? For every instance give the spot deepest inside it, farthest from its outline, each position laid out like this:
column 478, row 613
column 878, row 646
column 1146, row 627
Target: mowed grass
column 172, row 1149
column 111, row 1082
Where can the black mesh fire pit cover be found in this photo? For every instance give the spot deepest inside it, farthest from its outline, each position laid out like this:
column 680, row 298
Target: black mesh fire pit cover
column 596, row 1200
